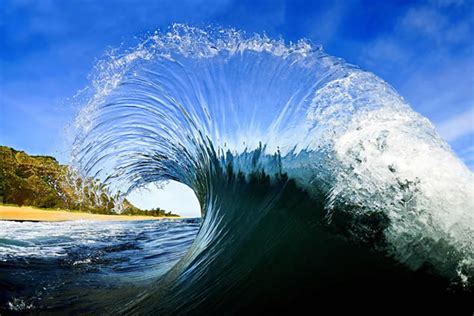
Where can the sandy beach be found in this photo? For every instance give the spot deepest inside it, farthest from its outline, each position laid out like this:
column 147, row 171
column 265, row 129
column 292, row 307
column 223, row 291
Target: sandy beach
column 25, row 213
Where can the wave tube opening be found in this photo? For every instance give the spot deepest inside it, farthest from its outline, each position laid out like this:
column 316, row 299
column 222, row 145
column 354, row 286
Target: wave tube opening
column 171, row 196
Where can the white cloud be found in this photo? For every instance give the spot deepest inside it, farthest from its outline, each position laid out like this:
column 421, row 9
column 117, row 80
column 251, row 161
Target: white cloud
column 423, row 20
column 327, row 23
column 457, row 126
column 429, row 24
column 385, row 49
column 468, row 155
column 432, row 22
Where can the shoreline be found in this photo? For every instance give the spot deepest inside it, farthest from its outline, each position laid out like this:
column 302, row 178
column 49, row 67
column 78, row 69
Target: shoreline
column 31, row 214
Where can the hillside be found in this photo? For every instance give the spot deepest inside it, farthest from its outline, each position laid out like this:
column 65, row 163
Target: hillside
column 42, row 182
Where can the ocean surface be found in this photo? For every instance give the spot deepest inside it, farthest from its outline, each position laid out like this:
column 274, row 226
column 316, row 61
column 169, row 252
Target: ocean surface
column 83, row 266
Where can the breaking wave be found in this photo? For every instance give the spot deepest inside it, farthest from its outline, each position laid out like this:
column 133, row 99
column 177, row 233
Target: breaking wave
column 315, row 178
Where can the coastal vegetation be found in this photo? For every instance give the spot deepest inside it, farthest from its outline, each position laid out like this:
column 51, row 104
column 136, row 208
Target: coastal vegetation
column 40, row 181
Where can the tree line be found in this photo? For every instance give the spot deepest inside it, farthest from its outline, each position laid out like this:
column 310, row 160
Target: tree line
column 42, row 182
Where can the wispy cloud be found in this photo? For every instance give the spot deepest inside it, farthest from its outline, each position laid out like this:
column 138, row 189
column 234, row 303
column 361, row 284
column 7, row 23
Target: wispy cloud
column 457, row 126
column 424, row 21
column 386, row 49
column 431, row 22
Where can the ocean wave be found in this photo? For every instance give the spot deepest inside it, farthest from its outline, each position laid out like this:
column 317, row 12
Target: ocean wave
column 302, row 163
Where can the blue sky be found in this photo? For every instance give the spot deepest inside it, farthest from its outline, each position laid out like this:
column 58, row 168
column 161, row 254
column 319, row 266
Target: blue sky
column 425, row 49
